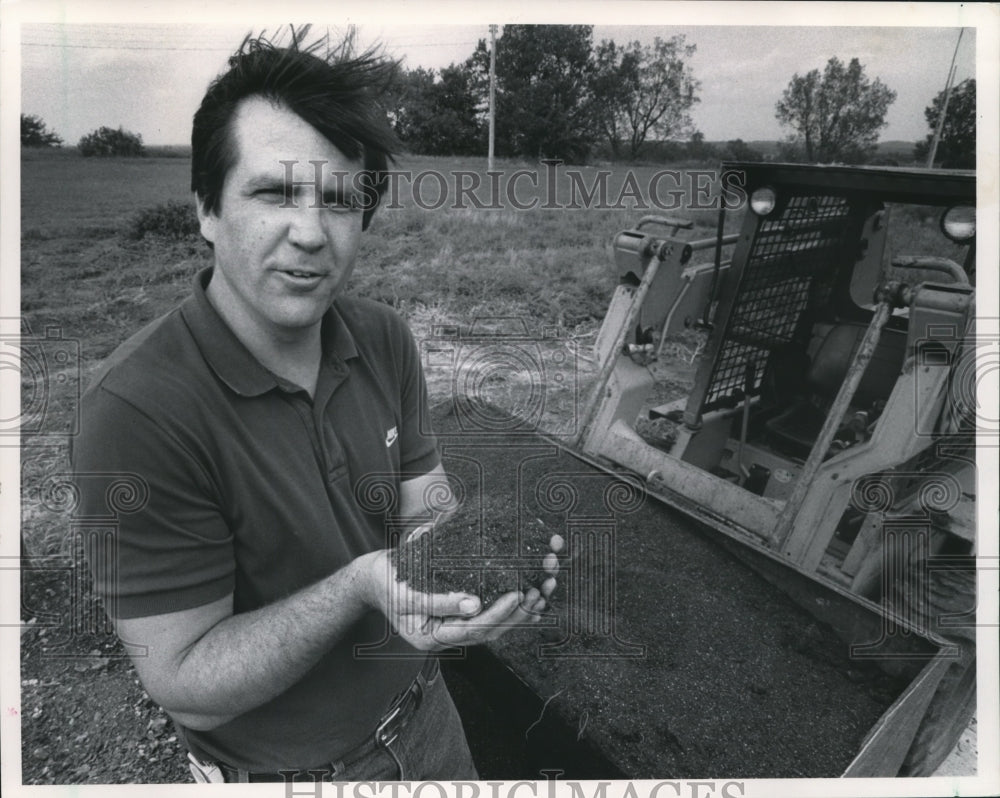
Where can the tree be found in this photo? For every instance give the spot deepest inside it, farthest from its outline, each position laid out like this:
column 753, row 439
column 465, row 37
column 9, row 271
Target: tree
column 106, row 142
column 698, row 149
column 439, row 116
column 957, row 147
column 543, row 107
column 34, row 133
column 835, row 116
column 739, row 150
column 643, row 92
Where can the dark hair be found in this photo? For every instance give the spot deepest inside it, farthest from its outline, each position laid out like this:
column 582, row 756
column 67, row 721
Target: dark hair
column 337, row 95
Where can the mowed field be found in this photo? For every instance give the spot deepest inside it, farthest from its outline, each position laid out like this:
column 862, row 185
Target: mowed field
column 87, row 278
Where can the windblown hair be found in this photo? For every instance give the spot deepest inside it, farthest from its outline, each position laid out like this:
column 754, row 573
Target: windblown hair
column 338, row 95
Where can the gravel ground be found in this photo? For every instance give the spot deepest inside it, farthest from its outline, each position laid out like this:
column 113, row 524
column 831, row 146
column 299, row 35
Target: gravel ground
column 85, row 717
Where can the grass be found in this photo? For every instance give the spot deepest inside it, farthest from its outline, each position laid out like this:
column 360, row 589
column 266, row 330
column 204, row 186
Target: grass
column 94, row 266
column 107, row 247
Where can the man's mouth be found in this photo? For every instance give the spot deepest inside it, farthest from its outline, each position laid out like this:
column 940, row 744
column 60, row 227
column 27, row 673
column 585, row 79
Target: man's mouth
column 300, row 274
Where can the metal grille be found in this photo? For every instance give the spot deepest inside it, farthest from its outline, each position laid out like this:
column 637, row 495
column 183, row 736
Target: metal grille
column 790, row 269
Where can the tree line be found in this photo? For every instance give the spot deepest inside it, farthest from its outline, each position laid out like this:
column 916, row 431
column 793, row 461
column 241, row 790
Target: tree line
column 561, row 95
column 104, row 141
column 557, row 96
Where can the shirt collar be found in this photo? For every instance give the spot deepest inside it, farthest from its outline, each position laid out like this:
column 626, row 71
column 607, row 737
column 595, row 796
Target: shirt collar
column 232, row 362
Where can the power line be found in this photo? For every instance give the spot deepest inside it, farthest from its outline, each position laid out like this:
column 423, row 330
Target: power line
column 127, row 47
column 437, row 44
column 206, row 49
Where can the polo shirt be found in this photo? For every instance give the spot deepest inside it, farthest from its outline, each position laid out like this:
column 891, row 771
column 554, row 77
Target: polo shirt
column 248, row 486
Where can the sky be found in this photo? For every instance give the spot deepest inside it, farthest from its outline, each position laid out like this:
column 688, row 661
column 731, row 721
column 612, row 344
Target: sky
column 149, row 77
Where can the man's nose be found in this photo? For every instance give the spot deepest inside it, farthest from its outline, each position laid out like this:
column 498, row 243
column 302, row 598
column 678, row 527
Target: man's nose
column 306, row 229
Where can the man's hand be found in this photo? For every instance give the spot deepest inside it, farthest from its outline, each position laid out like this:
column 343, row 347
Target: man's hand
column 442, row 620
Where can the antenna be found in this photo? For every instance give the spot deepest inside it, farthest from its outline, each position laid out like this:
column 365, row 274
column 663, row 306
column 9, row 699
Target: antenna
column 493, row 92
column 944, row 106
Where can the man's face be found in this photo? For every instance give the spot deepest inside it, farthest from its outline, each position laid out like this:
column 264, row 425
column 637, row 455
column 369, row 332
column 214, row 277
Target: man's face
column 278, row 269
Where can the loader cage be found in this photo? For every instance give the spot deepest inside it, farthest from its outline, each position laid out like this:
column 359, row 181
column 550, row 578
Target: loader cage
column 804, row 380
column 815, row 257
column 774, row 297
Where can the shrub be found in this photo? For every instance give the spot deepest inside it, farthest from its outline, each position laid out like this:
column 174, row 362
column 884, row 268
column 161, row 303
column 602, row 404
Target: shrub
column 172, row 220
column 739, row 150
column 35, row 133
column 106, row 142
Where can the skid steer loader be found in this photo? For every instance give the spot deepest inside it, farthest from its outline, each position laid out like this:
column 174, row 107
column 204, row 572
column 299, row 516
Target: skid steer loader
column 828, row 423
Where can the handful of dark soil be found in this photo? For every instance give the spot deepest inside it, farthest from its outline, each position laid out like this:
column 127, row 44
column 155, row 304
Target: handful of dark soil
column 479, row 552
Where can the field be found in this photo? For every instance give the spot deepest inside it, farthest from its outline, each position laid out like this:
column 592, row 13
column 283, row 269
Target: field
column 546, row 272
column 89, row 280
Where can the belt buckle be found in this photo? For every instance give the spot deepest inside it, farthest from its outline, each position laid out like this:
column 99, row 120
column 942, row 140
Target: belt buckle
column 396, row 718
column 384, row 735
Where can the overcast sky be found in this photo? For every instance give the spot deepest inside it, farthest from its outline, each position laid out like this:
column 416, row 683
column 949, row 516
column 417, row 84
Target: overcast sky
column 150, row 77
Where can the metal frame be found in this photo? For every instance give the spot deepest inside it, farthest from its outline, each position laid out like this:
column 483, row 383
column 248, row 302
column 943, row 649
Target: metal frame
column 801, row 524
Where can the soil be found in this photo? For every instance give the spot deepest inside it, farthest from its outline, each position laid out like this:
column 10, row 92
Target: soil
column 475, row 552
column 661, row 650
column 85, row 717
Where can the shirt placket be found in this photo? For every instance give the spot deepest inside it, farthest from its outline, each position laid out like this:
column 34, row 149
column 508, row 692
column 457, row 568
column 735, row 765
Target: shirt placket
column 329, row 454
column 331, row 377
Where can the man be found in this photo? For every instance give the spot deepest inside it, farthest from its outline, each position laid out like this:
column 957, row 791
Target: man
column 253, row 587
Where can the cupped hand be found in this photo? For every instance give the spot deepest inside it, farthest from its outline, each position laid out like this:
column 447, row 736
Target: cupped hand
column 510, row 611
column 432, row 621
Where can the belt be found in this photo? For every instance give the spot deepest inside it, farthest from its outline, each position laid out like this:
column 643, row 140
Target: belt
column 387, row 731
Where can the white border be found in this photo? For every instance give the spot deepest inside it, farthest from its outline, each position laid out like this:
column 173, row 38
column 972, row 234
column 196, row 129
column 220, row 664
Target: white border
column 983, row 17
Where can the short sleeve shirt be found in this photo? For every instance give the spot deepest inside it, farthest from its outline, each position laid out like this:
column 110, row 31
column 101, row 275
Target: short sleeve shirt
column 246, row 485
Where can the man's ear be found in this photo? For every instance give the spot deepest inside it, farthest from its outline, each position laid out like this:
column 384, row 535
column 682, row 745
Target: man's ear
column 206, row 220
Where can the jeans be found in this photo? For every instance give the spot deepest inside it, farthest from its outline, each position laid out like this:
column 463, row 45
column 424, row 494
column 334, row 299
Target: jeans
column 430, row 747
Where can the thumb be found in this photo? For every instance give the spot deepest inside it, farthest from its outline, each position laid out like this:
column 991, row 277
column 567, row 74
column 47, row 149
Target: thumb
column 446, row 605
column 406, row 600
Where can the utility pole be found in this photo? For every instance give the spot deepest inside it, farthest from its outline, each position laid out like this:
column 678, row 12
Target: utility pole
column 944, row 106
column 493, row 93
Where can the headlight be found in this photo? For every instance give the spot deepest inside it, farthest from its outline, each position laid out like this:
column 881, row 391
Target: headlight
column 959, row 223
column 763, row 200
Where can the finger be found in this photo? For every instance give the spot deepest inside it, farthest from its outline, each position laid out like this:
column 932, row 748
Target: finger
column 499, row 610
column 556, row 543
column 438, row 605
column 420, row 631
column 550, row 563
column 421, row 530
column 530, row 598
column 533, row 605
column 548, row 586
column 521, row 614
column 488, row 625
